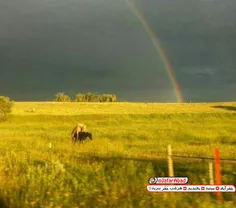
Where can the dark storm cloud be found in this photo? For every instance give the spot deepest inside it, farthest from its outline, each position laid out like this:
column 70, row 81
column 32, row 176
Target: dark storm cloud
column 99, row 46
column 200, row 40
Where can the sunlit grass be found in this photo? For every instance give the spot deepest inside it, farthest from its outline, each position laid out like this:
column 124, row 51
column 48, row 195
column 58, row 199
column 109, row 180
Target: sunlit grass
column 73, row 108
column 129, row 146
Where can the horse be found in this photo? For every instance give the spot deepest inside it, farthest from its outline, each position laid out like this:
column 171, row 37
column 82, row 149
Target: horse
column 82, row 136
column 75, row 132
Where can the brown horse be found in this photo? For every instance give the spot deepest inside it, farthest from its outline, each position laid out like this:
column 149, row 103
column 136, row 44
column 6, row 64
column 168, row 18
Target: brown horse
column 82, row 136
column 75, row 133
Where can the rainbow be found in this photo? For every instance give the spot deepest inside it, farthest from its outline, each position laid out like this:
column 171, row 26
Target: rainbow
column 157, row 45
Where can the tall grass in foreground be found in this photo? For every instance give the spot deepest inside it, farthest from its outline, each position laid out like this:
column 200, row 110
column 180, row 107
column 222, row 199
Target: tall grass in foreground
column 98, row 173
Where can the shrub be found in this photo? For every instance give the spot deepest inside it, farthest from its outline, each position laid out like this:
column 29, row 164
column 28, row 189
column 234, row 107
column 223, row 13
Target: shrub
column 90, row 97
column 61, row 97
column 80, row 98
column 5, row 107
column 108, row 98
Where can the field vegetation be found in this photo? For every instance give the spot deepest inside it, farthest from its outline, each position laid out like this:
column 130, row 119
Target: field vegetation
column 128, row 147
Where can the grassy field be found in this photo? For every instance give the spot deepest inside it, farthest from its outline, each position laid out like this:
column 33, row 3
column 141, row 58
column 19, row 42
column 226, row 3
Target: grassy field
column 128, row 148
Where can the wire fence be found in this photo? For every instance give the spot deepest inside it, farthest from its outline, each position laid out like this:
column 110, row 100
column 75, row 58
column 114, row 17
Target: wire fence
column 204, row 158
column 214, row 167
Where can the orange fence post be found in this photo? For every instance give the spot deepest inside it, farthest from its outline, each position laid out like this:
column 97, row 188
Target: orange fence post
column 217, row 173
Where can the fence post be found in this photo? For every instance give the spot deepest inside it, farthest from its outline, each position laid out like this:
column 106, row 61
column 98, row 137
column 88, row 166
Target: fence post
column 50, row 150
column 211, row 179
column 170, row 162
column 217, row 172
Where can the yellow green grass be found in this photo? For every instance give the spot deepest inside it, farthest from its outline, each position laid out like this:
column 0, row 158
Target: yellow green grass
column 129, row 147
column 73, row 108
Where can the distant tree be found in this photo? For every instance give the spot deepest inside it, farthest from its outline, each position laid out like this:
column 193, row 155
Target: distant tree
column 100, row 98
column 87, row 96
column 80, row 97
column 107, row 98
column 90, row 97
column 5, row 107
column 61, row 97
column 94, row 98
column 103, row 98
column 113, row 98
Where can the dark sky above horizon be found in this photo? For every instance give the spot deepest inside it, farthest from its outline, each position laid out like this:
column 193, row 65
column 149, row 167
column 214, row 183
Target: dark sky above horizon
column 100, row 46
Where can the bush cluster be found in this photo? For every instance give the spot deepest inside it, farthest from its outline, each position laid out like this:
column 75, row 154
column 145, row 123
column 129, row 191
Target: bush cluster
column 88, row 97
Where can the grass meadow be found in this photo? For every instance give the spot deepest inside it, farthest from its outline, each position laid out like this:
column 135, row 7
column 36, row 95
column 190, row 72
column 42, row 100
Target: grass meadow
column 128, row 147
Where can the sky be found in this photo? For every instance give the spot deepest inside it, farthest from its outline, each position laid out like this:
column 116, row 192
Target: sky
column 101, row 46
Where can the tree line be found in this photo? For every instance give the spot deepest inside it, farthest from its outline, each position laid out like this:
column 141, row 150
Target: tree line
column 88, row 97
column 6, row 103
